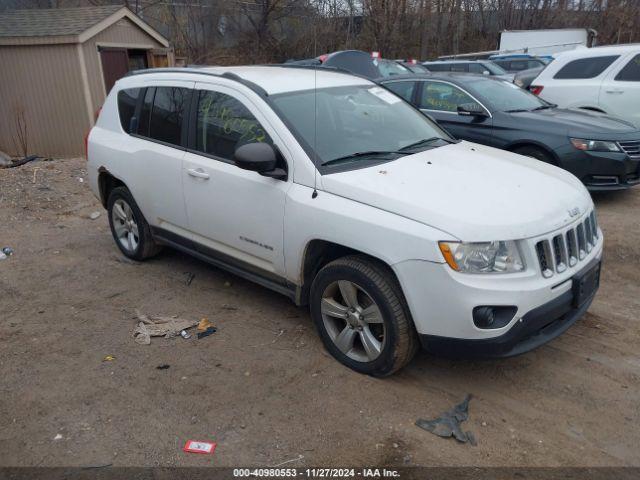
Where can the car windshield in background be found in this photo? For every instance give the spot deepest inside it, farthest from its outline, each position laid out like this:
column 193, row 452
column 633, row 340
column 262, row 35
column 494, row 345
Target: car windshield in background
column 357, row 124
column 389, row 68
column 504, row 96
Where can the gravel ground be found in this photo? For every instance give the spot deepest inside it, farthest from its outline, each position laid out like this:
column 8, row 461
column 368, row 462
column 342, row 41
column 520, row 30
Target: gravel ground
column 262, row 387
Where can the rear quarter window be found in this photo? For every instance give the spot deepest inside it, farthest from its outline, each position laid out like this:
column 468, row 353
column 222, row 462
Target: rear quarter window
column 127, row 101
column 585, row 68
column 631, row 71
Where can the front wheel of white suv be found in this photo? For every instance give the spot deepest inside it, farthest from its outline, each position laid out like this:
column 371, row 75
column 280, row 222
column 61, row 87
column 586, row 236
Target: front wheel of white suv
column 362, row 317
column 129, row 228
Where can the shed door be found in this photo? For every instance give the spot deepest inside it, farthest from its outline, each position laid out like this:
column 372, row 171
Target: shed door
column 115, row 65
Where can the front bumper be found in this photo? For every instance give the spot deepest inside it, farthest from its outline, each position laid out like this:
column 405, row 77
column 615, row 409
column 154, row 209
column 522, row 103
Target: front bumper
column 601, row 171
column 442, row 302
column 536, row 328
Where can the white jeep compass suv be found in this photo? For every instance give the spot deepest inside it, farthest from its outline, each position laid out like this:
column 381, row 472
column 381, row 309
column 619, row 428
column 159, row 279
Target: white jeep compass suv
column 332, row 190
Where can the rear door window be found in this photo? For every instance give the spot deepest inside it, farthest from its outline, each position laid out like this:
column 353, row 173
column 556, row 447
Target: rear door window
column 402, row 89
column 438, row 67
column 477, row 68
column 585, row 68
column 145, row 112
column 459, row 67
column 167, row 114
column 631, row 71
column 223, row 124
column 127, row 101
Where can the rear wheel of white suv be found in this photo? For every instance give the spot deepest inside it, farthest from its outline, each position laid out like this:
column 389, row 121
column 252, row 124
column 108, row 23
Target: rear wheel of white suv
column 129, row 228
column 362, row 317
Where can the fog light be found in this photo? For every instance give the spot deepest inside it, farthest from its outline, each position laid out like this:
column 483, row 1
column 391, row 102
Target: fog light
column 488, row 317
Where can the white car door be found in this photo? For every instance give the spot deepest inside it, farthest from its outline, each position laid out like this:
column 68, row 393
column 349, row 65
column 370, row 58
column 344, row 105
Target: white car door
column 620, row 91
column 234, row 215
column 155, row 170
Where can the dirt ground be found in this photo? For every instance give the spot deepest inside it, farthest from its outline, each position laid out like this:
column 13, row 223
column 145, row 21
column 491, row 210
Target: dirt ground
column 262, row 387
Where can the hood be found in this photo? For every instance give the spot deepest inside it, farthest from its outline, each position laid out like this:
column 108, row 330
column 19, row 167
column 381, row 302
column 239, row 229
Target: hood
column 470, row 191
column 583, row 123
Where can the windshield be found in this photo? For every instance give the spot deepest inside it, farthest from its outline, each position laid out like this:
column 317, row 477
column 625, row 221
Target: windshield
column 494, row 68
column 353, row 120
column 389, row 68
column 504, row 96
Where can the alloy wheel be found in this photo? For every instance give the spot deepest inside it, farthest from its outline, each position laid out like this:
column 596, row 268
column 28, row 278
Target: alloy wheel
column 353, row 320
column 125, row 225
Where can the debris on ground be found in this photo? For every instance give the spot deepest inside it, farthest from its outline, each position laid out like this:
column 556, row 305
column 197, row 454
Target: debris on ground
column 5, row 160
column 164, row 366
column 448, row 424
column 159, row 326
column 2, row 256
column 94, row 215
column 184, row 334
column 204, row 324
column 193, row 446
column 189, row 278
column 109, row 358
column 22, row 161
column 207, row 332
column 58, row 437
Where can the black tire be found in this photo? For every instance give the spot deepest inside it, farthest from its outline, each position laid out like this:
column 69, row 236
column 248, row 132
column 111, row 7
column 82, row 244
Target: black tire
column 379, row 284
column 535, row 152
column 145, row 247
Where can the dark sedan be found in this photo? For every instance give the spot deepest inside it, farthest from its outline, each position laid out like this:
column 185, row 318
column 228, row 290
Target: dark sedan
column 604, row 152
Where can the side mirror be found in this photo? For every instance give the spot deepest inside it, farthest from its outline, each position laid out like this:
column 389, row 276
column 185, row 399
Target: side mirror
column 471, row 110
column 486, row 72
column 259, row 157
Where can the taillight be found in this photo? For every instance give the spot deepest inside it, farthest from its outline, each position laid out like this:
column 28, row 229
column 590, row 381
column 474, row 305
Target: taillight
column 536, row 89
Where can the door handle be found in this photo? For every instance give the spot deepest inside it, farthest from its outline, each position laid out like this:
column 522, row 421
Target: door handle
column 198, row 173
column 617, row 92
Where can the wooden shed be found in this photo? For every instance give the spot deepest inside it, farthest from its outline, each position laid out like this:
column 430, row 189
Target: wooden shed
column 56, row 67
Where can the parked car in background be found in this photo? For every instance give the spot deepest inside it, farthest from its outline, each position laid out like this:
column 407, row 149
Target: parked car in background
column 358, row 62
column 414, row 66
column 498, row 254
column 604, row 79
column 484, row 67
column 517, row 62
column 524, row 78
column 601, row 151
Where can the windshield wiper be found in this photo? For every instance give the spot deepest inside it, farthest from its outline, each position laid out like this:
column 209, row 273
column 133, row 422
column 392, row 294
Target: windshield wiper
column 424, row 142
column 370, row 153
column 517, row 110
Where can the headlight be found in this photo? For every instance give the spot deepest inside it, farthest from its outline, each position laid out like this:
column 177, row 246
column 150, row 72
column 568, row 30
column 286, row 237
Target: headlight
column 482, row 257
column 595, row 145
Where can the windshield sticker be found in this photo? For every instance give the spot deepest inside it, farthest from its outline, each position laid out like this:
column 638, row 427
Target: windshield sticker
column 384, row 95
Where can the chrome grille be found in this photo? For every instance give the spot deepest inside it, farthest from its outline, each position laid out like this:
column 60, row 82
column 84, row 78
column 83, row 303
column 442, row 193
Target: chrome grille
column 631, row 147
column 567, row 249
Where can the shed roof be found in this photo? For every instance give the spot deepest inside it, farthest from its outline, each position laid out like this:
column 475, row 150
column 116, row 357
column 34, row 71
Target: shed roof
column 52, row 21
column 64, row 25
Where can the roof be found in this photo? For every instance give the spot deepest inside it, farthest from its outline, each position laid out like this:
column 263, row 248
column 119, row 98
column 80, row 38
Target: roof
column 64, row 25
column 273, row 79
column 52, row 21
column 597, row 51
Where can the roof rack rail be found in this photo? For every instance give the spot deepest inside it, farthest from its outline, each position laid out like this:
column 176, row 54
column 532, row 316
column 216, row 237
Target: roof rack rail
column 198, row 70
